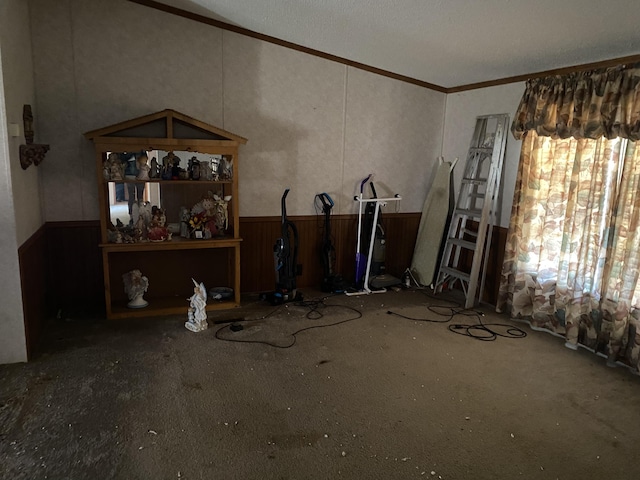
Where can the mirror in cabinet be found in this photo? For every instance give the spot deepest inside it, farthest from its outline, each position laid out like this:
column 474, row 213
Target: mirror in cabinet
column 165, row 195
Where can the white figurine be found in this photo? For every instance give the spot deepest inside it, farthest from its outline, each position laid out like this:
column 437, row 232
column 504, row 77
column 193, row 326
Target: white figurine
column 143, row 168
column 197, row 312
column 135, row 285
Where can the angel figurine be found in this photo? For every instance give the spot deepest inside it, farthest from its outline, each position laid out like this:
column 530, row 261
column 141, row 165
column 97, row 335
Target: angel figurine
column 135, row 285
column 197, row 312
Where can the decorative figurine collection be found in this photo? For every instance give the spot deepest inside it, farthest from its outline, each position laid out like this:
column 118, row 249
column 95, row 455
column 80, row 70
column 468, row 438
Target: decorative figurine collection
column 215, row 169
column 148, row 224
column 209, row 218
column 197, row 312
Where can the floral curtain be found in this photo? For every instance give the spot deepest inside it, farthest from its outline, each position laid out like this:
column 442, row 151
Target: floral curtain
column 572, row 259
column 591, row 104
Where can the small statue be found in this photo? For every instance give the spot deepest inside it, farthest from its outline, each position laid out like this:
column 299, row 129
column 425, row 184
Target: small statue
column 157, row 230
column 170, row 167
column 153, row 171
column 185, row 215
column 158, row 217
column 194, row 168
column 113, row 168
column 205, row 171
column 143, row 168
column 197, row 312
column 135, row 286
column 227, row 169
column 175, row 168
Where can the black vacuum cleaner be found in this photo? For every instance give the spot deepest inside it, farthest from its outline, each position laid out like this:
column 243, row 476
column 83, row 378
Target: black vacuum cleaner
column 331, row 282
column 285, row 259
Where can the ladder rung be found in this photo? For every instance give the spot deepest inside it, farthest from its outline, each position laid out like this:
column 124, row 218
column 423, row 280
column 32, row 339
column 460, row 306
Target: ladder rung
column 452, row 272
column 473, row 233
column 463, row 243
column 469, row 213
column 475, row 181
column 481, row 149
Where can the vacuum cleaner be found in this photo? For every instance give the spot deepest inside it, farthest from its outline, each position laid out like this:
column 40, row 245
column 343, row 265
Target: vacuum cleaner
column 379, row 278
column 371, row 276
column 285, row 259
column 331, row 282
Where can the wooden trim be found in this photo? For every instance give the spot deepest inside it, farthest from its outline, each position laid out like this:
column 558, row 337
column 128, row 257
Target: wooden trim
column 31, row 240
column 385, row 73
column 283, row 43
column 73, row 224
column 343, row 216
column 169, row 115
column 169, row 126
column 546, row 73
column 210, row 128
column 134, row 122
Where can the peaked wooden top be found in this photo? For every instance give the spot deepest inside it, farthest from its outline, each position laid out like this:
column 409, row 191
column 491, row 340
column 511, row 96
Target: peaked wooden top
column 167, row 123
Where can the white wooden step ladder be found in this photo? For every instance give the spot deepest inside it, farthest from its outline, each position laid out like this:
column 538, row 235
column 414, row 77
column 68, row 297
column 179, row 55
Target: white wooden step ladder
column 475, row 214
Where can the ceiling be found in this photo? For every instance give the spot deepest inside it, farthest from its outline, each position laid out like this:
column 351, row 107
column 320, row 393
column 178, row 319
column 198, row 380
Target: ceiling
column 448, row 43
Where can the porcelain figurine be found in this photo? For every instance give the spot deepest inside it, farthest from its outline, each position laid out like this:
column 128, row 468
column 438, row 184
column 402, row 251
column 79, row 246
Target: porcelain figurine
column 197, row 313
column 116, row 168
column 143, row 168
column 135, row 286
column 154, row 170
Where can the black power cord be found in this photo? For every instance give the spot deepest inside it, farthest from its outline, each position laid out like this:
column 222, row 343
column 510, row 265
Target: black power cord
column 315, row 313
column 486, row 332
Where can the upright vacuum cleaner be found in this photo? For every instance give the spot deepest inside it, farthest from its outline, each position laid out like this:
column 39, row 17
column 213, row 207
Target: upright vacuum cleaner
column 379, row 278
column 331, row 282
column 285, row 259
column 371, row 276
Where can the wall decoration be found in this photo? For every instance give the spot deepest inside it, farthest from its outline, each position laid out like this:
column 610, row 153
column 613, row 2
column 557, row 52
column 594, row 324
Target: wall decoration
column 31, row 153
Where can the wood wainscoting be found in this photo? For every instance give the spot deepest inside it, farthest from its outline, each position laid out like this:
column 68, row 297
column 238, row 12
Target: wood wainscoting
column 259, row 235
column 33, row 282
column 61, row 266
column 74, row 268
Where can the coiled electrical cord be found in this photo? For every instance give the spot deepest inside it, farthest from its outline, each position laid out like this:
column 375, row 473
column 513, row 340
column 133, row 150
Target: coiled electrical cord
column 314, row 313
column 486, row 332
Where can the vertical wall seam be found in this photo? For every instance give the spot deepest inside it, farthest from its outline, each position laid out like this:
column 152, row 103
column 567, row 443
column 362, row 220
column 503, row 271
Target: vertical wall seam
column 222, row 90
column 37, row 104
column 444, row 124
column 341, row 210
column 79, row 158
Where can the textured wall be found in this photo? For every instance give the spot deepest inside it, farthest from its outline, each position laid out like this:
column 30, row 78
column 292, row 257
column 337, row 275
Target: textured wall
column 19, row 205
column 312, row 125
column 462, row 110
column 19, row 90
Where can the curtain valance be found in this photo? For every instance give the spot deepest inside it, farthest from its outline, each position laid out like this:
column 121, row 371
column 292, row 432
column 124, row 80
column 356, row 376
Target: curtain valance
column 590, row 104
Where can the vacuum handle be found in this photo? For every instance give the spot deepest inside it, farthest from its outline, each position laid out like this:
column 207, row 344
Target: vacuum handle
column 284, row 205
column 362, row 184
column 373, row 191
column 327, row 201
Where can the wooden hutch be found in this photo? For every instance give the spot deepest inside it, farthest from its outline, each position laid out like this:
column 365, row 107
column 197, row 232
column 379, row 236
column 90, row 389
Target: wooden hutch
column 169, row 265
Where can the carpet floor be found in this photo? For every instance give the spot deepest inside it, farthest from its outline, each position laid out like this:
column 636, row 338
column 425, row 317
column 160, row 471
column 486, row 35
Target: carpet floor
column 368, row 396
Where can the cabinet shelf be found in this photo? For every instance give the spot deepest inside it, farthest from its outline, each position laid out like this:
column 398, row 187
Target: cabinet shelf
column 178, row 243
column 173, row 182
column 164, row 306
column 171, row 265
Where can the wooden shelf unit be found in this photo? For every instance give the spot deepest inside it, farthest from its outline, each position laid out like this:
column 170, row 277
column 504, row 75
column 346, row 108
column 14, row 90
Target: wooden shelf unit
column 170, row 265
